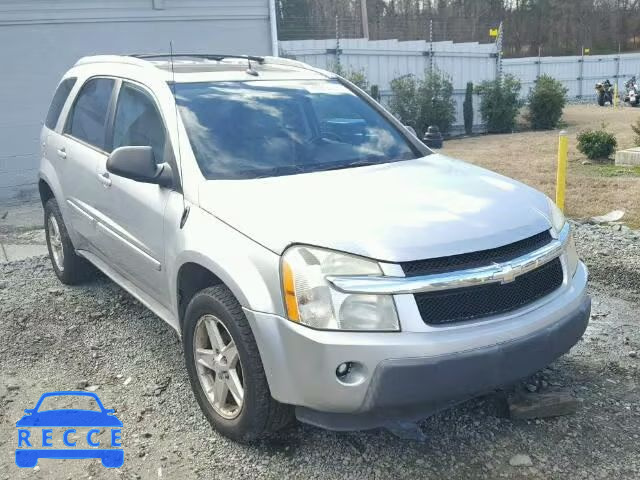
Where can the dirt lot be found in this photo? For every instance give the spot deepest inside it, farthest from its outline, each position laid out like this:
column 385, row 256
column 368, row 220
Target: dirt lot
column 531, row 157
column 54, row 337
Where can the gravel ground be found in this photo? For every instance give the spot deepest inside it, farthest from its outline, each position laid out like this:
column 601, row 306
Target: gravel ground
column 54, row 337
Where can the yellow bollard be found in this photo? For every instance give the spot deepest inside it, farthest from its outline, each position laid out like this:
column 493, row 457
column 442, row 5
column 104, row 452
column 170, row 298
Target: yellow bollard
column 561, row 179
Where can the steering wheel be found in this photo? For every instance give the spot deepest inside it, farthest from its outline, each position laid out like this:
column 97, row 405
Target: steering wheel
column 325, row 136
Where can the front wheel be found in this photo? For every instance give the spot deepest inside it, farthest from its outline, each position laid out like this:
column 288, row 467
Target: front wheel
column 225, row 369
column 601, row 99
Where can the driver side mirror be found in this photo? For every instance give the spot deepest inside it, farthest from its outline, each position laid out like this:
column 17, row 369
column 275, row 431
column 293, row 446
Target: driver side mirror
column 138, row 163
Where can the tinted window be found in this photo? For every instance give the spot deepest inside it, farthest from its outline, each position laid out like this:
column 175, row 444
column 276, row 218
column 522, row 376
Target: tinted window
column 89, row 116
column 265, row 128
column 138, row 122
column 59, row 99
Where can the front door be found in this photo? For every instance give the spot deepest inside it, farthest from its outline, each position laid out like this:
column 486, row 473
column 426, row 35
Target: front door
column 130, row 226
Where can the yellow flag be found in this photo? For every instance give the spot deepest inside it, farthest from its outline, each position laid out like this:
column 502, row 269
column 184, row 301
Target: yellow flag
column 493, row 32
column 587, row 51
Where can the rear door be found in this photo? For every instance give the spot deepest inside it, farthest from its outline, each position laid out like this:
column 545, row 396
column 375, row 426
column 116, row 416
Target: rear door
column 81, row 149
column 130, row 214
column 52, row 141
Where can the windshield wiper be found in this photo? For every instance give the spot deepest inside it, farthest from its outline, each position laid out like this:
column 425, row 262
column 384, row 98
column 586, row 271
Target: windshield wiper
column 280, row 171
column 357, row 163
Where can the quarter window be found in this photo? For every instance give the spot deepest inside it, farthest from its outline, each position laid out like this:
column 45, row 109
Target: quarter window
column 137, row 122
column 59, row 99
column 89, row 116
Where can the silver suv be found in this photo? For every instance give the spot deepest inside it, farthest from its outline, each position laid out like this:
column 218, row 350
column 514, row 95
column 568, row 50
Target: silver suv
column 315, row 257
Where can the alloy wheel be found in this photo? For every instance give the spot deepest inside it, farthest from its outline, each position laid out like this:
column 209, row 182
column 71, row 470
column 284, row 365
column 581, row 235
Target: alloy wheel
column 55, row 241
column 218, row 366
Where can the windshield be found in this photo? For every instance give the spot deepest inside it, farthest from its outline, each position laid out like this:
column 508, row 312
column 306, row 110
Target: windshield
column 259, row 129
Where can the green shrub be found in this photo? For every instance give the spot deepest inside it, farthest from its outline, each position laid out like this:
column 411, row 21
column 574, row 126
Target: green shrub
column 404, row 100
column 546, row 101
column 357, row 77
column 636, row 129
column 597, row 144
column 422, row 103
column 467, row 108
column 499, row 103
column 437, row 106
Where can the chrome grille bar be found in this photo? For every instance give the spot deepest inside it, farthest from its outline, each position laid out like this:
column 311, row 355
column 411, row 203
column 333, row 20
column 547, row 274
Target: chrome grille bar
column 504, row 272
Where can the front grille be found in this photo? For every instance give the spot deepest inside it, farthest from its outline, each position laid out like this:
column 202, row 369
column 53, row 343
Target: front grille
column 476, row 259
column 493, row 298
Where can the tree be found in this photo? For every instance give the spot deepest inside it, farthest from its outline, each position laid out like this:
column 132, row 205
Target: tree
column 467, row 109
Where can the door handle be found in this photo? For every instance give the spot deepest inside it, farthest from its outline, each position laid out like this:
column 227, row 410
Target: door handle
column 104, row 179
column 62, row 153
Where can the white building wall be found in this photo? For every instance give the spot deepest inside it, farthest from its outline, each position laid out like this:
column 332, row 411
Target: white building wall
column 41, row 39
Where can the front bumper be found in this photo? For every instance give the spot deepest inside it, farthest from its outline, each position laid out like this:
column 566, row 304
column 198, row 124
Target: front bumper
column 410, row 375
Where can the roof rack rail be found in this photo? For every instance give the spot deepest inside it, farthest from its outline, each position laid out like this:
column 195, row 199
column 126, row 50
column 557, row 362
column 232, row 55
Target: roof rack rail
column 206, row 56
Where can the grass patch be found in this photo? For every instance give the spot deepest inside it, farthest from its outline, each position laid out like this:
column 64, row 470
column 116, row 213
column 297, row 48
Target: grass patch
column 611, row 170
column 531, row 157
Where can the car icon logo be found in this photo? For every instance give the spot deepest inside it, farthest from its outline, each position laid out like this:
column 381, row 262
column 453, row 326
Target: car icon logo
column 39, row 428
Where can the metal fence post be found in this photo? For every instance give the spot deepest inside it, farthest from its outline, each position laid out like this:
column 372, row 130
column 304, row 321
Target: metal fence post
column 580, row 73
column 430, row 45
column 338, row 66
column 499, row 49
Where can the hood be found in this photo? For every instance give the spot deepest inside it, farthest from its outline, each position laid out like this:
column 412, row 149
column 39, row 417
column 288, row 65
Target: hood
column 429, row 207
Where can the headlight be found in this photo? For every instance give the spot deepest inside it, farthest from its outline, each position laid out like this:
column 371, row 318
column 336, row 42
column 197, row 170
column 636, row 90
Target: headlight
column 311, row 300
column 572, row 256
column 557, row 217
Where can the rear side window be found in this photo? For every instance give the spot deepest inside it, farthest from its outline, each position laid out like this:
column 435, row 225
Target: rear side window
column 88, row 119
column 59, row 99
column 137, row 122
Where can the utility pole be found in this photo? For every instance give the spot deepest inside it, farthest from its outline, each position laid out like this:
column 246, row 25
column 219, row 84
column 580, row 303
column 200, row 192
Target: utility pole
column 365, row 19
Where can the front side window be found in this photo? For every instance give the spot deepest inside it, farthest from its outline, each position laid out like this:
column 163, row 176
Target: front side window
column 259, row 129
column 59, row 99
column 88, row 119
column 138, row 122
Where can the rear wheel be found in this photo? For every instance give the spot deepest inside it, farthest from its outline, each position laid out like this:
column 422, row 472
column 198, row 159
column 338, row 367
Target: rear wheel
column 70, row 268
column 225, row 369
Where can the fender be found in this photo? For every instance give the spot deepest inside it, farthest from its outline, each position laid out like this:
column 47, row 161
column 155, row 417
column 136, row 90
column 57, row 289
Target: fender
column 249, row 270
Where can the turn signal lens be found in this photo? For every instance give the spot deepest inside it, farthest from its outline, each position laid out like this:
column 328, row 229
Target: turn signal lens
column 290, row 293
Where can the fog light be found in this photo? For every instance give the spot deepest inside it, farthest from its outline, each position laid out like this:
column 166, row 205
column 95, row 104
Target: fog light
column 343, row 370
column 351, row 373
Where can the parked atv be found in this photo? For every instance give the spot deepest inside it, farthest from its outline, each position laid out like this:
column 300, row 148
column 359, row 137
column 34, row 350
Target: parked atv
column 604, row 91
column 633, row 92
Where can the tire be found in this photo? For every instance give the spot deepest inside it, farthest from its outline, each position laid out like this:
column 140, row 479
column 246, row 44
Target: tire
column 601, row 99
column 259, row 414
column 70, row 268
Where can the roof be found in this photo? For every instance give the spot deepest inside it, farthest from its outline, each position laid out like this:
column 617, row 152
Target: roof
column 186, row 68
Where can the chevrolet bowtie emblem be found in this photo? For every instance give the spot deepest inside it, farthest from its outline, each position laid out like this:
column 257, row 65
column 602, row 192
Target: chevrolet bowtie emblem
column 508, row 273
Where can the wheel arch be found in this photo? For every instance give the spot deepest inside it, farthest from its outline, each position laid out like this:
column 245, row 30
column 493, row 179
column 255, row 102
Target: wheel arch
column 197, row 272
column 191, row 278
column 45, row 191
